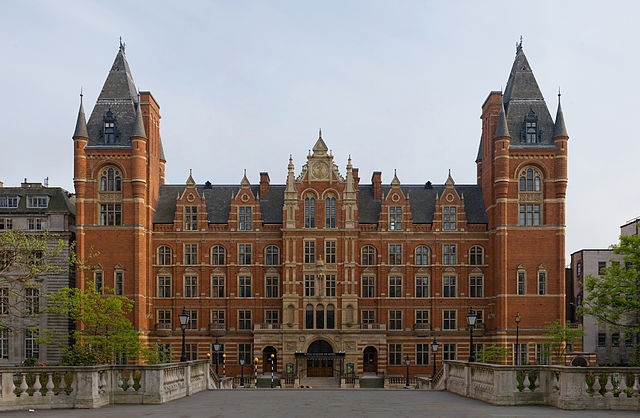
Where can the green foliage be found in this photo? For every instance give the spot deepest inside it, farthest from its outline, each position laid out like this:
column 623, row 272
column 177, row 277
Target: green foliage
column 493, row 354
column 103, row 328
column 614, row 297
column 560, row 337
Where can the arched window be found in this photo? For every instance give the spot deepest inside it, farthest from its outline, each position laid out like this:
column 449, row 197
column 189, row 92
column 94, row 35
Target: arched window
column 330, row 209
column 309, row 212
column 530, row 197
column 110, row 180
column 164, row 255
column 422, row 255
column 530, row 180
column 331, row 317
column 368, row 255
column 217, row 255
column 308, row 315
column 476, row 255
column 272, row 255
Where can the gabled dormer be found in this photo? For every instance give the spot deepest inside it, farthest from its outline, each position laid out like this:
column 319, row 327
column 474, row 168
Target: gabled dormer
column 320, row 166
column 191, row 208
column 395, row 213
column 245, row 208
column 449, row 213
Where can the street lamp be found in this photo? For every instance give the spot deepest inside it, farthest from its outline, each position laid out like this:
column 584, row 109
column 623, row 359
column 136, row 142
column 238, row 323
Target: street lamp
column 242, row 372
column 407, row 361
column 216, row 348
column 471, row 321
column 272, row 358
column 224, row 364
column 517, row 360
column 434, row 350
column 255, row 370
column 184, row 321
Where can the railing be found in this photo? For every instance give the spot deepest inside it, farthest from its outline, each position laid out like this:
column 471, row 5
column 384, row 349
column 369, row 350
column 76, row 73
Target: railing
column 374, row 326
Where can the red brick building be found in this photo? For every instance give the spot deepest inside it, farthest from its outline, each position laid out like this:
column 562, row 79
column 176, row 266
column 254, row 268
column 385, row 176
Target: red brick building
column 326, row 271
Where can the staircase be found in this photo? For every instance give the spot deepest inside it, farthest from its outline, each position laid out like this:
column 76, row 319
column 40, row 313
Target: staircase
column 320, row 382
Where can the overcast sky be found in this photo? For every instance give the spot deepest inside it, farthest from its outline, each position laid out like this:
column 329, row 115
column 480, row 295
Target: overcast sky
column 398, row 85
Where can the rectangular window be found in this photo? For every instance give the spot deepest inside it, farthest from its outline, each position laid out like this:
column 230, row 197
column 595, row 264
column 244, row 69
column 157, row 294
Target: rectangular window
column 97, row 280
column 476, row 286
column 6, row 224
column 422, row 287
column 164, row 352
column 330, row 285
column 32, row 301
column 193, row 319
column 422, row 354
column 9, row 201
column 190, row 218
column 4, row 301
column 368, row 317
column 529, row 215
column 309, row 252
column 190, row 286
column 395, row 287
column 395, row 218
column 395, row 254
column 164, row 286
column 309, row 212
column 4, row 343
column 449, row 254
column 479, row 317
column 190, row 254
column 330, row 252
column 628, row 339
column 244, row 319
column 521, row 354
column 309, row 285
column 217, row 286
column 422, row 317
column 244, row 218
column 217, row 319
column 272, row 316
column 542, row 283
column 244, row 254
column 368, row 287
column 244, row 286
column 245, row 351
column 330, row 212
column 615, row 339
column 601, row 266
column 449, row 320
column 164, row 318
column 543, row 354
column 449, row 351
column 521, row 282
column 191, row 351
column 449, row 218
column 31, row 346
column 602, row 339
column 110, row 214
column 395, row 354
column 449, row 286
column 272, row 287
column 395, row 320
column 35, row 224
column 118, row 283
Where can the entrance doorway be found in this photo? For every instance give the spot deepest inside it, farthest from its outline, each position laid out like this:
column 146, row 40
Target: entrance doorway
column 320, row 359
column 370, row 360
column 266, row 360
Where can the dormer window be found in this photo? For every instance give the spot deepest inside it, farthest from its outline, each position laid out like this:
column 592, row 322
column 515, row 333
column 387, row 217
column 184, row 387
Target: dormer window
column 37, row 201
column 110, row 131
column 530, row 134
column 9, row 201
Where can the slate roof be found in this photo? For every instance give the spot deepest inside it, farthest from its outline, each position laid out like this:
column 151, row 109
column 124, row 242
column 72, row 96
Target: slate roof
column 59, row 200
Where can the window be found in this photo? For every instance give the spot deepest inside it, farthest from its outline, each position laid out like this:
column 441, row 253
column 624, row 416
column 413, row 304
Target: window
column 272, row 287
column 164, row 352
column 330, row 209
column 244, row 218
column 331, row 317
column 190, row 286
column 422, row 255
column 110, row 132
column 4, row 343
column 422, row 317
column 449, row 256
column 602, row 265
column 543, row 354
column 190, row 218
column 479, row 317
column 395, row 287
column 244, row 254
column 97, row 280
column 110, row 180
column 422, row 354
column 272, row 316
column 309, row 252
column 395, row 218
column 245, row 352
column 272, row 255
column 449, row 218
column 217, row 319
column 542, row 282
column 330, row 285
column 395, row 354
column 309, row 212
column 449, row 351
column 110, row 214
column 330, row 252
column 602, row 339
column 449, row 286
column 449, row 320
column 368, row 287
column 395, row 320
column 164, row 318
column 193, row 319
column 9, row 201
column 190, row 254
column 422, row 287
column 320, row 317
column 6, row 224
column 164, row 255
column 217, row 286
column 615, row 339
column 476, row 256
column 529, row 134
column 244, row 286
column 530, row 196
column 37, row 201
column 368, row 317
column 476, row 286
column 628, row 339
column 118, row 283
column 217, row 255
column 35, row 224
column 521, row 282
column 395, row 254
column 244, row 319
column 529, row 215
column 4, row 301
column 309, row 285
column 32, row 301
column 31, row 346
column 520, row 354
column 191, row 351
column 308, row 315
column 368, row 255
column 164, row 286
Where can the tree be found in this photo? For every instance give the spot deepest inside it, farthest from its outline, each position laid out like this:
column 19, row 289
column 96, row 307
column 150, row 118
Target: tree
column 103, row 332
column 561, row 337
column 614, row 297
column 493, row 354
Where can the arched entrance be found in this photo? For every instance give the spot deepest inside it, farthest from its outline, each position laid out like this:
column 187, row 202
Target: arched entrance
column 370, row 360
column 320, row 359
column 266, row 359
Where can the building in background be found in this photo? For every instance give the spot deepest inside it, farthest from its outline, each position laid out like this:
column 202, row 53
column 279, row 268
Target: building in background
column 326, row 273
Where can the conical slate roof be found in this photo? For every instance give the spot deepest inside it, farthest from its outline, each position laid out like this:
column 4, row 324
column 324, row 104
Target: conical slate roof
column 559, row 129
column 81, row 123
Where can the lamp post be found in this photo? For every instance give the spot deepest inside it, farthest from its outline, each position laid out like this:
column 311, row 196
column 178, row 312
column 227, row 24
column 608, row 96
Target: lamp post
column 242, row 372
column 471, row 321
column 255, row 371
column 517, row 360
column 184, row 321
column 224, row 364
column 272, row 358
column 407, row 362
column 216, row 349
column 434, row 350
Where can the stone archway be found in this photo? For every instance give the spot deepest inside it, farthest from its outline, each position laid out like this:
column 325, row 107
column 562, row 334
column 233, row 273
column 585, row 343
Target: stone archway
column 370, row 360
column 320, row 359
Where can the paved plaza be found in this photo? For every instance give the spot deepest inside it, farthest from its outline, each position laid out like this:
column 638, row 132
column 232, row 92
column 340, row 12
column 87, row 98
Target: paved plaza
column 316, row 403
